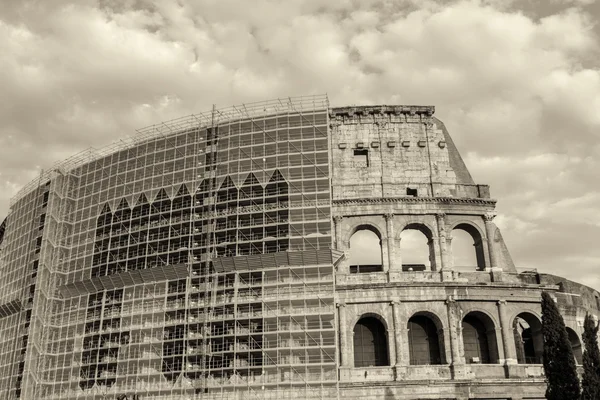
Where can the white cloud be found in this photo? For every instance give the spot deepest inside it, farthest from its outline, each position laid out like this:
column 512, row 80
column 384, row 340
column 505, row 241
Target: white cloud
column 516, row 92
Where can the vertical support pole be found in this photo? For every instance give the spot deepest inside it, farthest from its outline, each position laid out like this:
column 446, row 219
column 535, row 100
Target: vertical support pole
column 510, row 353
column 344, row 357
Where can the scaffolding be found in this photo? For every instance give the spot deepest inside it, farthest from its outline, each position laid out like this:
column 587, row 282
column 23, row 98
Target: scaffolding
column 192, row 261
column 176, row 126
column 264, row 332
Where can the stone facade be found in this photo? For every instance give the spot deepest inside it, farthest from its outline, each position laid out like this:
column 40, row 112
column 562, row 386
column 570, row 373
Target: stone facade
column 396, row 168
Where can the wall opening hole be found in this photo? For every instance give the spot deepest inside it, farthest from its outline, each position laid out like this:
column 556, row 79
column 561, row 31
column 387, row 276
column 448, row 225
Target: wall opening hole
column 416, row 251
column 361, row 156
column 411, row 192
column 365, row 251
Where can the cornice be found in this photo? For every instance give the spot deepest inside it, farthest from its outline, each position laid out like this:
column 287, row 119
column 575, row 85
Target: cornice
column 381, row 109
column 426, row 200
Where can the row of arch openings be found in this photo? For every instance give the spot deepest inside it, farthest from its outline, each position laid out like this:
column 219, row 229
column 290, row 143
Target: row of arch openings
column 426, row 340
column 416, row 247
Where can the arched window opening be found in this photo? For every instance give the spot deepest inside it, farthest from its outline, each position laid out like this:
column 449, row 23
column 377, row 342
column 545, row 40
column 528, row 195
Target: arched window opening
column 365, row 251
column 575, row 346
column 416, row 248
column 423, row 341
column 528, row 339
column 370, row 343
column 479, row 339
column 467, row 248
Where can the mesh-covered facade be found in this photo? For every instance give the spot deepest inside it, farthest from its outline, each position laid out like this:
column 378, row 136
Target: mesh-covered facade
column 129, row 277
column 209, row 257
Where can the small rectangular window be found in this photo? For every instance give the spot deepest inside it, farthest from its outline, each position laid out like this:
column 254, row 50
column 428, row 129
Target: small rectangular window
column 411, row 192
column 361, row 156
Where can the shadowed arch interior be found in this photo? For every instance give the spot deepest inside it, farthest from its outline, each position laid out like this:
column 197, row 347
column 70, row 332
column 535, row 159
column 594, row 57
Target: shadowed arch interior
column 529, row 342
column 370, row 343
column 575, row 346
column 424, row 340
column 479, row 339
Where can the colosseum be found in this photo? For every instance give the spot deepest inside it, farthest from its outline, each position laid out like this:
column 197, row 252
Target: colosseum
column 255, row 252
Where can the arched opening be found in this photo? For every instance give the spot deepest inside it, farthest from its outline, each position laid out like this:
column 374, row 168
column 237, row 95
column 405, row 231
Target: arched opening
column 370, row 343
column 416, row 248
column 529, row 342
column 424, row 339
column 575, row 346
column 365, row 250
column 467, row 248
column 479, row 339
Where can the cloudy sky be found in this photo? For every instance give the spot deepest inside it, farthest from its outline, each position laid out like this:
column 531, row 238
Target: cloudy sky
column 517, row 83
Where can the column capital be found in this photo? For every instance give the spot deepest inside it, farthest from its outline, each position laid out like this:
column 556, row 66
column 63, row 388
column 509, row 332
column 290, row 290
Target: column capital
column 388, row 216
column 339, row 305
column 440, row 216
column 501, row 302
column 395, row 302
column 488, row 217
column 338, row 218
column 450, row 300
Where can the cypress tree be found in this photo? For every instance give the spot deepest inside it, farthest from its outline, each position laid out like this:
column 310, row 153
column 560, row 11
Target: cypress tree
column 591, row 361
column 559, row 362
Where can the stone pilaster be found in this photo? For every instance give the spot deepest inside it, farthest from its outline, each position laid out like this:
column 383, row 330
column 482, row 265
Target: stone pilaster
column 441, row 223
column 344, row 352
column 337, row 224
column 490, row 233
column 384, row 243
column 390, row 335
column 510, row 353
column 391, row 248
column 398, row 332
column 499, row 343
column 454, row 331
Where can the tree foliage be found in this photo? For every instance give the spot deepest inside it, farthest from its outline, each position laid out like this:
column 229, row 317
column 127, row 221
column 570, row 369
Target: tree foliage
column 559, row 362
column 591, row 361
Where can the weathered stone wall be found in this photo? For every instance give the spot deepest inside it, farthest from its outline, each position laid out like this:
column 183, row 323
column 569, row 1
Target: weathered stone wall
column 403, row 150
column 409, row 149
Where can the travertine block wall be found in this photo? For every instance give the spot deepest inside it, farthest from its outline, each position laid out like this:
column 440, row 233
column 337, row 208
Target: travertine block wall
column 405, row 149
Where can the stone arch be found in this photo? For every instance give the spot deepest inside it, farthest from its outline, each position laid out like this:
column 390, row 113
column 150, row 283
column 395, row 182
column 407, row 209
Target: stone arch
column 373, row 314
column 529, row 343
column 471, row 225
column 363, row 223
column 575, row 345
column 370, row 341
column 425, row 339
column 480, row 341
column 423, row 226
column 370, row 260
column 478, row 237
column 488, row 314
column 420, row 256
